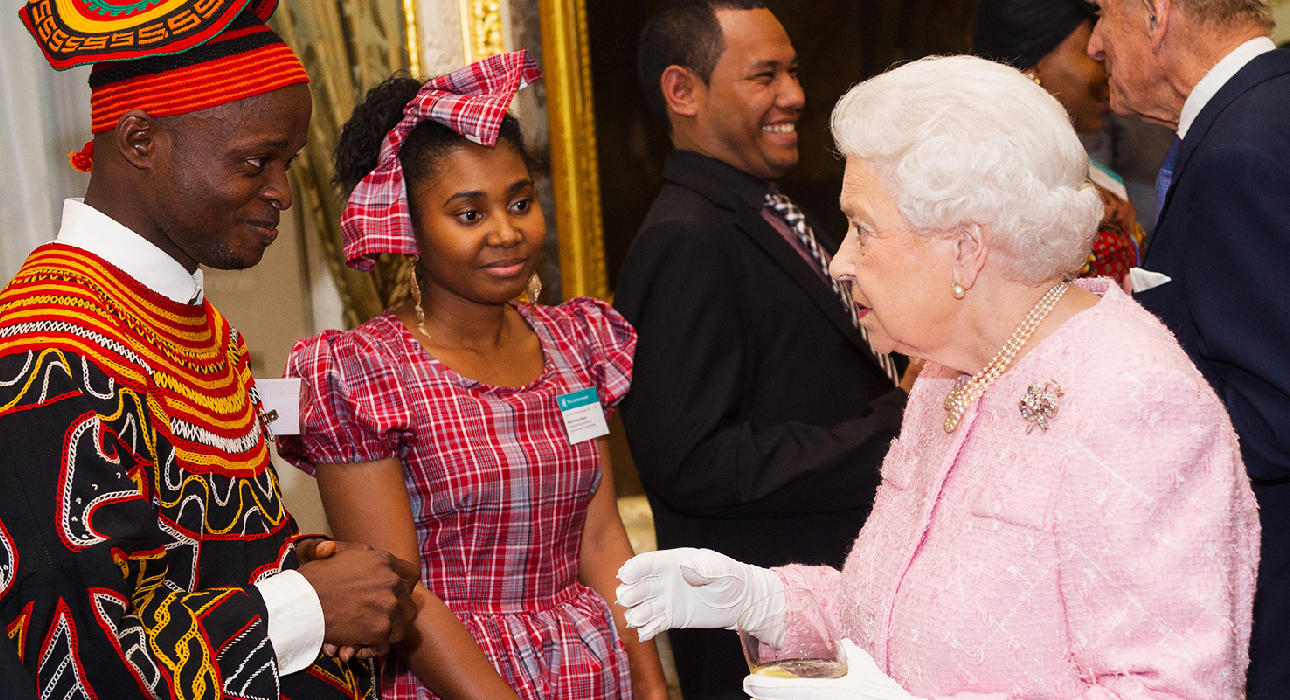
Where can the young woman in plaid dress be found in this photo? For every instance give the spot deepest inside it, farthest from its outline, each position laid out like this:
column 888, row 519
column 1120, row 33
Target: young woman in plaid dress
column 434, row 429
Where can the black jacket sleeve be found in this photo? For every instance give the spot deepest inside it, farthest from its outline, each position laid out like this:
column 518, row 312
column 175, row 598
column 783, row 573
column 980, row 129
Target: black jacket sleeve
column 1240, row 267
column 689, row 295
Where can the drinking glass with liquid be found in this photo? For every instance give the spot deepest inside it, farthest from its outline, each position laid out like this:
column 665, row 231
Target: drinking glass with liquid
column 799, row 643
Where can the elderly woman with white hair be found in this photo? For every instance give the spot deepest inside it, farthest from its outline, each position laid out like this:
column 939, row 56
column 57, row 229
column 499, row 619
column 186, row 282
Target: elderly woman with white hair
column 1065, row 513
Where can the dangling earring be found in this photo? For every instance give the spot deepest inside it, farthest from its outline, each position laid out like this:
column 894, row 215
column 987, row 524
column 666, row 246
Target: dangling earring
column 416, row 294
column 957, row 290
column 534, row 288
column 1035, row 78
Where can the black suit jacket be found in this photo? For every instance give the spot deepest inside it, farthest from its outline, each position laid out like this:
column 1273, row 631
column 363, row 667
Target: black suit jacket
column 1224, row 238
column 758, row 417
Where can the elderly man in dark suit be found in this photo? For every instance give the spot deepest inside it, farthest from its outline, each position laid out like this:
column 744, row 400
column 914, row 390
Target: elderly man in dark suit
column 1217, row 271
column 759, row 413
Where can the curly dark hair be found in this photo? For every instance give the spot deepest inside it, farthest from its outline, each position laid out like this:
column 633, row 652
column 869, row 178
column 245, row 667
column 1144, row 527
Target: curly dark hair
column 423, row 151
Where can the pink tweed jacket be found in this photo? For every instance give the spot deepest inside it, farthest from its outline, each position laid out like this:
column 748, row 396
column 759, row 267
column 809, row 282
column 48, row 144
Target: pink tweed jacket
column 1111, row 556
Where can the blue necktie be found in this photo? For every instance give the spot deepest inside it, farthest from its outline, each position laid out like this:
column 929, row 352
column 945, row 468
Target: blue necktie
column 1165, row 177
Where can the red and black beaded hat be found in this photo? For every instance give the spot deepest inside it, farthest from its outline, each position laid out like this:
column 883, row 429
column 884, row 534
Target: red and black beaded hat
column 165, row 57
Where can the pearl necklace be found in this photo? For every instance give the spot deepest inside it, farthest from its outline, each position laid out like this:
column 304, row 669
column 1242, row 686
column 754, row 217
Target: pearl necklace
column 966, row 390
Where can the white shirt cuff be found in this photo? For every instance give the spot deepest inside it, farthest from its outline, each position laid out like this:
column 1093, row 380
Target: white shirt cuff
column 296, row 625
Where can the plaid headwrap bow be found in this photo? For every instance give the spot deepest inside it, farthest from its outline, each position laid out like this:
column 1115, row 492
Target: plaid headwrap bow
column 472, row 102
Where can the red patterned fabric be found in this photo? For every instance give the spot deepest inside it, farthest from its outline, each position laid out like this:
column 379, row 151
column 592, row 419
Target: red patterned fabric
column 1113, row 253
column 1118, row 241
column 225, row 79
column 472, row 102
column 177, row 57
column 74, row 33
column 138, row 503
column 499, row 496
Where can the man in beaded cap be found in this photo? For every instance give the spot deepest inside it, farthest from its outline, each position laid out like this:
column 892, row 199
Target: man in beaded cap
column 144, row 548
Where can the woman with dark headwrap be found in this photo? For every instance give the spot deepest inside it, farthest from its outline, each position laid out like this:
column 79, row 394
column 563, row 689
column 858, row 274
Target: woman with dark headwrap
column 1047, row 40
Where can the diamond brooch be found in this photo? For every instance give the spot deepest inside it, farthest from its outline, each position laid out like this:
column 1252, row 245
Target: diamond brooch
column 1039, row 405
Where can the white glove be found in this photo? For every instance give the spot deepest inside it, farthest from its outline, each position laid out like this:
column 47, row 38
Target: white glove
column 864, row 681
column 687, row 587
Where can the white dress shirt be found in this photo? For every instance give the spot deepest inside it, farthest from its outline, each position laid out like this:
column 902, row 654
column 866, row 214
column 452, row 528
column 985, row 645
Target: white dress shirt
column 296, row 626
column 1217, row 77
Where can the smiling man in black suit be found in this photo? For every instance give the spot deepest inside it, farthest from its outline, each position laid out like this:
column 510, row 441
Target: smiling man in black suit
column 1221, row 250
column 759, row 413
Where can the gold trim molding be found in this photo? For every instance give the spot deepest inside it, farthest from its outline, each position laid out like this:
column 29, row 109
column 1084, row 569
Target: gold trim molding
column 413, row 37
column 574, row 171
column 483, row 29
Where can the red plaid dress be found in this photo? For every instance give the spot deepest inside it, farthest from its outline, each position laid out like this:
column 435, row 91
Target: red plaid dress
column 498, row 494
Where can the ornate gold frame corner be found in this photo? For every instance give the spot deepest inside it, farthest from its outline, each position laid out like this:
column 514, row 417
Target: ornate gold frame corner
column 484, row 28
column 574, row 171
column 412, row 35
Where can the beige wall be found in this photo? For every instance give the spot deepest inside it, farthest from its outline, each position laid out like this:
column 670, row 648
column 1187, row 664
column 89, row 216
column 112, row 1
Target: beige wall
column 439, row 24
column 1281, row 10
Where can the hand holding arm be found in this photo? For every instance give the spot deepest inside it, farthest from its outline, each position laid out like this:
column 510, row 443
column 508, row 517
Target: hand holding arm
column 365, row 595
column 311, row 548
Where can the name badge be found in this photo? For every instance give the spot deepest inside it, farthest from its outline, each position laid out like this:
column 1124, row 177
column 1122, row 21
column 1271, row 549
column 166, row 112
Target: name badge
column 584, row 419
column 281, row 400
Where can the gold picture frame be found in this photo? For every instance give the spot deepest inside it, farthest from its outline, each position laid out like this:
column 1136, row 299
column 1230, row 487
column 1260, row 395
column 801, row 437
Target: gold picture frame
column 575, row 175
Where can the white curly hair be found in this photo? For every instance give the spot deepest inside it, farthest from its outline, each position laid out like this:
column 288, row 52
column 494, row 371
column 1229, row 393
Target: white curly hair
column 960, row 140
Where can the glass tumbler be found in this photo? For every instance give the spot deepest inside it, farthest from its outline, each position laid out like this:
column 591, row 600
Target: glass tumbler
column 800, row 643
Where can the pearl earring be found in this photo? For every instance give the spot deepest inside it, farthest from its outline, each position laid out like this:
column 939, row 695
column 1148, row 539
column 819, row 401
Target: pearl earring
column 957, row 290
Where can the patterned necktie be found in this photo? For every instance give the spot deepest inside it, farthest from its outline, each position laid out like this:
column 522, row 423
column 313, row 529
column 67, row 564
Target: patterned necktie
column 791, row 215
column 1165, row 177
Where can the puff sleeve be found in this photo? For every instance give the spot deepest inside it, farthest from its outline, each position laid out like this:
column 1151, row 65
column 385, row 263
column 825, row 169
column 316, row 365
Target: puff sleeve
column 607, row 344
column 354, row 405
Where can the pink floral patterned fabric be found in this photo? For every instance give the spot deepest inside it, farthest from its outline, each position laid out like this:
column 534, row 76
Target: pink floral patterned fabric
column 1112, row 556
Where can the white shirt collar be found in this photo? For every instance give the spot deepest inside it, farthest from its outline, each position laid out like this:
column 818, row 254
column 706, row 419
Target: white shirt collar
column 1217, row 77
column 91, row 230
